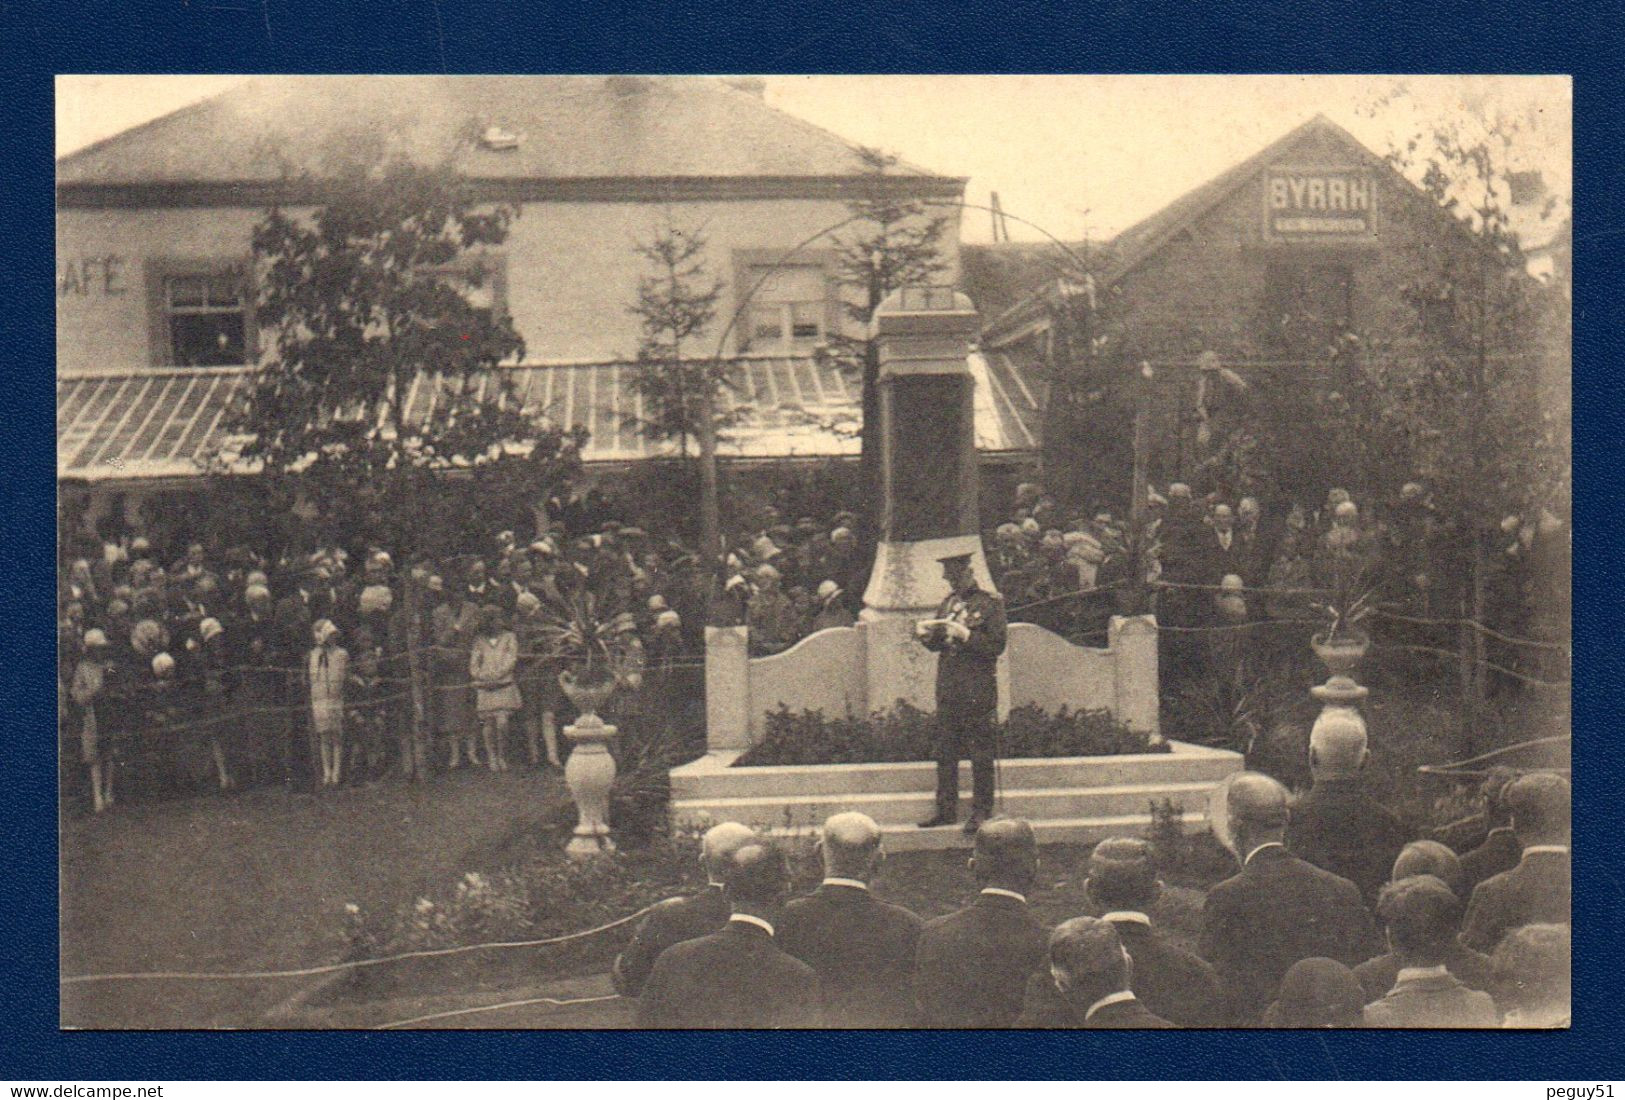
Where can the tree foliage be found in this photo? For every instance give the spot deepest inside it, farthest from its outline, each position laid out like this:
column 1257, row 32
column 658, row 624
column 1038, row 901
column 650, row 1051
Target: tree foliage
column 372, row 304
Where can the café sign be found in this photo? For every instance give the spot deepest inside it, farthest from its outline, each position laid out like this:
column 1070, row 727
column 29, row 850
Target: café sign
column 1309, row 204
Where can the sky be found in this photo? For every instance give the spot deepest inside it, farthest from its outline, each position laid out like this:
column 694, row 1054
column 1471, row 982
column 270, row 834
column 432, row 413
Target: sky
column 1079, row 156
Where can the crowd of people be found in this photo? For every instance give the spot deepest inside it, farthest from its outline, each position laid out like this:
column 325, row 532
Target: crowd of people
column 1334, row 919
column 310, row 669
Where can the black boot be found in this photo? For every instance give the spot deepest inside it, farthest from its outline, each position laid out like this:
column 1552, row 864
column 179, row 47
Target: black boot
column 975, row 820
column 942, row 817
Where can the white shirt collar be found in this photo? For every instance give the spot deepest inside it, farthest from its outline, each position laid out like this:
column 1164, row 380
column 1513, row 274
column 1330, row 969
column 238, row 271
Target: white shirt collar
column 1122, row 996
column 1260, row 848
column 999, row 891
column 1563, row 848
column 746, row 918
column 1418, row 973
column 856, row 884
column 1126, row 916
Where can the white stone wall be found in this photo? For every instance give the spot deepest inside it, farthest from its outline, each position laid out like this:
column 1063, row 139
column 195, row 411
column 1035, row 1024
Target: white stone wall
column 830, row 672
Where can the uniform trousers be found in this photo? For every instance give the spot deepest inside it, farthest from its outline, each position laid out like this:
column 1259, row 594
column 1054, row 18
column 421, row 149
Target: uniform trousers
column 961, row 732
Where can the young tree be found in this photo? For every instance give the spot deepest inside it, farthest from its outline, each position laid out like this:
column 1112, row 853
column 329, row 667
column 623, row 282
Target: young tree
column 676, row 303
column 373, row 304
column 898, row 243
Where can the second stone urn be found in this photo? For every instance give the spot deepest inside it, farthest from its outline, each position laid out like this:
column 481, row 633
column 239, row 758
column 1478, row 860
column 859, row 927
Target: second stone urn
column 590, row 771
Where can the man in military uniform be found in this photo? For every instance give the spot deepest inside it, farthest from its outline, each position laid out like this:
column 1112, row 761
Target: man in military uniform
column 968, row 633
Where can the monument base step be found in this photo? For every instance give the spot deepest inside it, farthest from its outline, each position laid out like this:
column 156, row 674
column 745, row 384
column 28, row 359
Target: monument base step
column 1060, row 830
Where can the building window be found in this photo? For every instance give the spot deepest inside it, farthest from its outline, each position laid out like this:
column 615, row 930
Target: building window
column 480, row 279
column 788, row 309
column 206, row 318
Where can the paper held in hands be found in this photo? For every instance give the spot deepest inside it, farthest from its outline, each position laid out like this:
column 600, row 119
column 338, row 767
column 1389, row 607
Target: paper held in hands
column 953, row 629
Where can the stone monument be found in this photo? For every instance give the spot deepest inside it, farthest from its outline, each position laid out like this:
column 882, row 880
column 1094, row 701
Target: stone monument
column 928, row 480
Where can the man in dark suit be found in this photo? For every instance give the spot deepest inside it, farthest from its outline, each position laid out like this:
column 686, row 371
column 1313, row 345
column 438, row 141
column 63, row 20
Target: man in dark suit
column 1278, row 909
column 968, row 634
column 1169, row 981
column 682, row 918
column 972, row 966
column 1337, row 826
column 1093, row 977
column 1537, row 890
column 1422, row 916
column 736, row 977
column 1426, row 857
column 1499, row 851
column 861, row 947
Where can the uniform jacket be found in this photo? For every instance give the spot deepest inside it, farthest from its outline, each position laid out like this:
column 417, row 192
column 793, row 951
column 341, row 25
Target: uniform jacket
column 1536, row 891
column 966, row 671
column 735, row 977
column 1499, row 852
column 1377, row 976
column 1439, row 1000
column 1278, row 910
column 863, row 950
column 972, row 966
column 1169, row 981
column 671, row 921
column 1339, row 828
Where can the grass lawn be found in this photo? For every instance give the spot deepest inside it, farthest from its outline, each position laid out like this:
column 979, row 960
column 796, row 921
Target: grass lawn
column 259, row 880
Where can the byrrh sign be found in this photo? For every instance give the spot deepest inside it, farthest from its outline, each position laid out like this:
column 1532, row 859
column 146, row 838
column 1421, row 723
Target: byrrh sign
column 1318, row 203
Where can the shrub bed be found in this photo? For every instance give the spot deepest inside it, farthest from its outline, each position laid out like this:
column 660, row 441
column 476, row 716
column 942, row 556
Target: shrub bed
column 906, row 734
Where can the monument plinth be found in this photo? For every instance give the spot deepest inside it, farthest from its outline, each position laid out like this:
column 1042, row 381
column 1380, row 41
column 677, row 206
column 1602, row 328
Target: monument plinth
column 928, row 478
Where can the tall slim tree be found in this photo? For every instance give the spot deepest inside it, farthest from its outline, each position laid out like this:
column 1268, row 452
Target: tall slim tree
column 676, row 303
column 898, row 242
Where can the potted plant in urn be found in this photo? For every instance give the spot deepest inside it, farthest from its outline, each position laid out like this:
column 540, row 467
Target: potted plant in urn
column 598, row 644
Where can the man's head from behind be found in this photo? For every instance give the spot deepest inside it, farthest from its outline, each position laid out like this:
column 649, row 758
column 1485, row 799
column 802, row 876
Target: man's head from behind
column 1256, row 805
column 718, row 846
column 1087, row 960
column 756, row 877
column 850, row 843
column 1428, row 857
column 1006, row 854
column 1540, row 805
column 1531, row 968
column 1122, row 875
column 1422, row 917
column 1338, row 746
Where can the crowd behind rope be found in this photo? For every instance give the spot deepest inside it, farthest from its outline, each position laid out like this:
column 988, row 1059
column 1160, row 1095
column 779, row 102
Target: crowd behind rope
column 340, row 663
column 1334, row 919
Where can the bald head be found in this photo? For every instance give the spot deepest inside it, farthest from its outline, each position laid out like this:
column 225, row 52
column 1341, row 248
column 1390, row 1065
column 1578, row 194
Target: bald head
column 1006, row 854
column 851, row 844
column 1428, row 857
column 1338, row 747
column 719, row 844
column 1087, row 959
column 756, row 876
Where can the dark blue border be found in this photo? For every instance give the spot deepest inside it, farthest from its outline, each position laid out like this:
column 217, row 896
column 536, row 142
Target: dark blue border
column 39, row 39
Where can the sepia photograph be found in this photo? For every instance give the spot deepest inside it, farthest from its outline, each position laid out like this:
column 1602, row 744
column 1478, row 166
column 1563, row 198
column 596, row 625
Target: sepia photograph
column 814, row 551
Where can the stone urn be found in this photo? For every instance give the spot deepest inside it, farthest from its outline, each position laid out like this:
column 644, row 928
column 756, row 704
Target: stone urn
column 1341, row 654
column 590, row 771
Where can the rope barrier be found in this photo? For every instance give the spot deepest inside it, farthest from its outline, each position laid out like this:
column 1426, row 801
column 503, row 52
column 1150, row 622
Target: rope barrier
column 1478, row 626
column 554, row 1001
column 354, row 964
column 1531, row 680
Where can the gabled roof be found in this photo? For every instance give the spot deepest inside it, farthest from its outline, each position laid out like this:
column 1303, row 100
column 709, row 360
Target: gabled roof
column 569, row 128
column 165, row 423
column 1139, row 242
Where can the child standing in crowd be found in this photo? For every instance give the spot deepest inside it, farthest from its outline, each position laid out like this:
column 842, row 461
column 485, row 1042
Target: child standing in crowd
column 88, row 691
column 491, row 666
column 329, row 668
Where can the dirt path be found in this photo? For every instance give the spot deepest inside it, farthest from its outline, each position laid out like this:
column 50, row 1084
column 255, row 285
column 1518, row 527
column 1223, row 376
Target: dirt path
column 259, row 881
